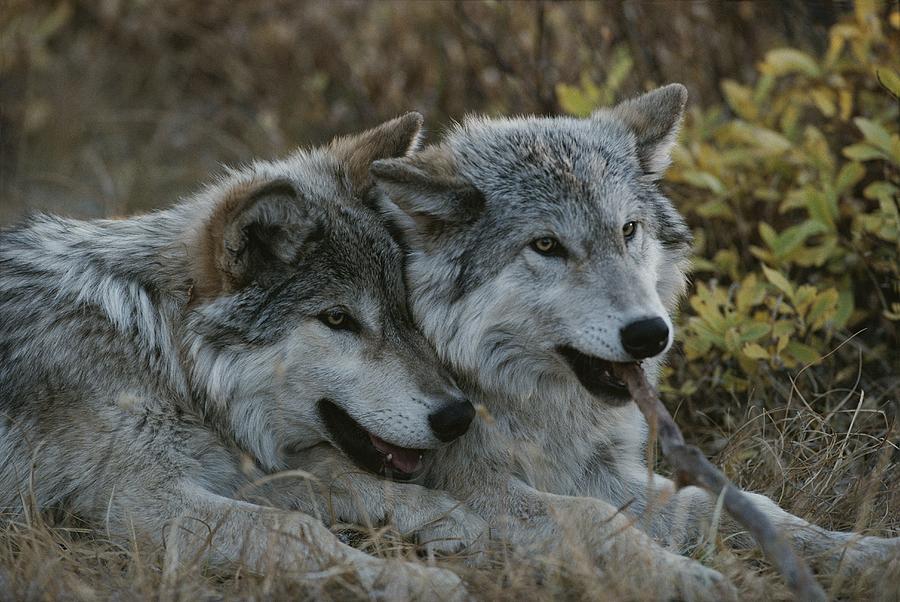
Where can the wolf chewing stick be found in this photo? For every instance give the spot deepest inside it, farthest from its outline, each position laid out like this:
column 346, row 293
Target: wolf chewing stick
column 692, row 468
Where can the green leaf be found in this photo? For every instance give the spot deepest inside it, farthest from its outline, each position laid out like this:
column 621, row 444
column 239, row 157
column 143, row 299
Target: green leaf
column 621, row 67
column 764, row 87
column 803, row 353
column 845, row 307
column 579, row 100
column 54, row 21
column 763, row 139
column 783, row 328
column 863, row 152
column 780, row 282
column 703, row 179
column 849, row 176
column 822, row 208
column 755, row 331
column 874, row 133
column 881, row 190
column 715, row 208
column 890, row 79
column 792, row 238
column 782, row 61
column 817, row 150
column 768, row 234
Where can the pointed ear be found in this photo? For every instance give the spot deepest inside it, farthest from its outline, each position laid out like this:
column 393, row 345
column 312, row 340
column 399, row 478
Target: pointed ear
column 654, row 118
column 394, row 138
column 254, row 231
column 429, row 192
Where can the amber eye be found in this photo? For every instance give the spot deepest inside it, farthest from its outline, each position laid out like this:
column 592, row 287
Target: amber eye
column 338, row 320
column 629, row 229
column 547, row 245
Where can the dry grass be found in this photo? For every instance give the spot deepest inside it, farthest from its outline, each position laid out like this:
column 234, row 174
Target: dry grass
column 837, row 477
column 112, row 107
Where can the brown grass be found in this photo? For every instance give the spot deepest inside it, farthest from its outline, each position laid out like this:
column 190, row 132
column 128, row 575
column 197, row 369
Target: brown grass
column 838, row 478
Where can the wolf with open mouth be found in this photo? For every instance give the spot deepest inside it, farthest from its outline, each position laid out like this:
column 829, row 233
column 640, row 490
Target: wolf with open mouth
column 541, row 252
column 157, row 372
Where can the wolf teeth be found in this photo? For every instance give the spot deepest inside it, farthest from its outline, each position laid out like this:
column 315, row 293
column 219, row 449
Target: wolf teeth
column 389, row 457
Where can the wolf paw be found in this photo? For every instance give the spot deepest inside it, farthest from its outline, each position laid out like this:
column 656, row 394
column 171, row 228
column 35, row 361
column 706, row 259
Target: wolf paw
column 861, row 553
column 458, row 529
column 686, row 579
column 399, row 580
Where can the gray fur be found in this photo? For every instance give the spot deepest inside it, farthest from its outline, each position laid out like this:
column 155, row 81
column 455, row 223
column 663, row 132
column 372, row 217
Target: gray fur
column 157, row 371
column 555, row 460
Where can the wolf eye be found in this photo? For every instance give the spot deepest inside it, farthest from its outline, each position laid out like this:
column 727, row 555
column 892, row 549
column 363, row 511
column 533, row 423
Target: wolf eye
column 629, row 229
column 338, row 319
column 549, row 246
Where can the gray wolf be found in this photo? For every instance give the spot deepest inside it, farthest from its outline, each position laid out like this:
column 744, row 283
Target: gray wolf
column 157, row 372
column 541, row 250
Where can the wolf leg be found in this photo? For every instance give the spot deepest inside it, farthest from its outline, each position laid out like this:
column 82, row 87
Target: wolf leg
column 680, row 519
column 227, row 532
column 556, row 525
column 338, row 491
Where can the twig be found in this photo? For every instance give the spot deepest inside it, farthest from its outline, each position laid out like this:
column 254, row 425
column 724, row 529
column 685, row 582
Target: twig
column 692, row 468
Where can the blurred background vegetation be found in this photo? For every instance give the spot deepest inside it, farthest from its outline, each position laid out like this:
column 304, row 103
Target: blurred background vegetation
column 787, row 169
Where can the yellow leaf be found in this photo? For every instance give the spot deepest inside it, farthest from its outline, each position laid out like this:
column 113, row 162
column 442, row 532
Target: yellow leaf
column 824, row 100
column 740, row 99
column 890, row 80
column 703, row 179
column 764, row 139
column 755, row 352
column 782, row 61
column 845, row 98
column 865, row 10
column 823, row 308
column 781, row 344
column 780, row 282
column 863, row 152
column 783, row 328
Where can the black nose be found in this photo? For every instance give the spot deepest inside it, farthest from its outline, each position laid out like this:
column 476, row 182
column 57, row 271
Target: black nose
column 452, row 420
column 645, row 338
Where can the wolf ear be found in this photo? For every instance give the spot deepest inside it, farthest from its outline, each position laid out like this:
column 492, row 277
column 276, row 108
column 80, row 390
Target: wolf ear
column 394, row 138
column 654, row 118
column 252, row 232
column 426, row 193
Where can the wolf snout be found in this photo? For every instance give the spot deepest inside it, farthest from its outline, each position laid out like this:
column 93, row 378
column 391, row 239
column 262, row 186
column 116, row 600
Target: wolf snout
column 452, row 420
column 645, row 337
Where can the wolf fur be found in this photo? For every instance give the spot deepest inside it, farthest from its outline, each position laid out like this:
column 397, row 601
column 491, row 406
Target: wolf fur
column 557, row 463
column 157, row 372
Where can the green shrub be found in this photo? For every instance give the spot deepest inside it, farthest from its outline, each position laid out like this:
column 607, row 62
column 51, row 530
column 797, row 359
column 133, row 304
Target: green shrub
column 792, row 191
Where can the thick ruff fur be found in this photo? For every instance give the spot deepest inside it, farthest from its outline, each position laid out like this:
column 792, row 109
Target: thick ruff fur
column 154, row 371
column 557, row 464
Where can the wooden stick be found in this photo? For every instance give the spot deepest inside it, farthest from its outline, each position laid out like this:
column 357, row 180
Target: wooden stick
column 692, row 468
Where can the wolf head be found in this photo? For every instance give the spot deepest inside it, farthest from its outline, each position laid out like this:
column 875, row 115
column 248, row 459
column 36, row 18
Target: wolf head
column 299, row 326
column 541, row 248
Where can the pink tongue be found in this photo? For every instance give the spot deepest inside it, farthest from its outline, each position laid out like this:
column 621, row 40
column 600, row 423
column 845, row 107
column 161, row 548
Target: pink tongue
column 402, row 459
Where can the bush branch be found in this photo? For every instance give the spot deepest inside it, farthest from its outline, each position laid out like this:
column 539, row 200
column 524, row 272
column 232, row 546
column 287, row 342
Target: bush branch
column 692, row 468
